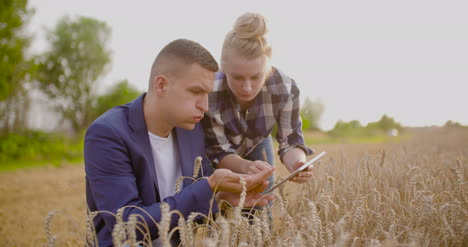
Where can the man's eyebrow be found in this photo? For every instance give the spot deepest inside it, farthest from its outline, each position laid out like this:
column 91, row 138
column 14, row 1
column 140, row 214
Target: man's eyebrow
column 198, row 88
column 258, row 74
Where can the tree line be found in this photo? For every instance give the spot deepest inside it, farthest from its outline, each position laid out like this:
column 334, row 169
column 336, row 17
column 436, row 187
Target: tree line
column 67, row 74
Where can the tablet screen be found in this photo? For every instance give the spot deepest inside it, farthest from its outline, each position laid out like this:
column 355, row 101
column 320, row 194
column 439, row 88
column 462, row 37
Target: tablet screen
column 293, row 174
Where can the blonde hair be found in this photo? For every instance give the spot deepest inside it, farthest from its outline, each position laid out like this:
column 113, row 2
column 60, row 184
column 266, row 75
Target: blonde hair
column 248, row 37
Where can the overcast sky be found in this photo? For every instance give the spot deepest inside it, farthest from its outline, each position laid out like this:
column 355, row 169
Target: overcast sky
column 362, row 59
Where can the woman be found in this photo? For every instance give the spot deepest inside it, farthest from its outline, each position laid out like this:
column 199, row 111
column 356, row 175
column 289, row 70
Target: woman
column 249, row 97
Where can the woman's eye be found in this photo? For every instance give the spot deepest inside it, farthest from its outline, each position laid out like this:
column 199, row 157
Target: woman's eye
column 257, row 77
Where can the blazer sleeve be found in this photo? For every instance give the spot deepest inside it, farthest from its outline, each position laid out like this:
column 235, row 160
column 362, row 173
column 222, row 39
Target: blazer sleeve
column 113, row 185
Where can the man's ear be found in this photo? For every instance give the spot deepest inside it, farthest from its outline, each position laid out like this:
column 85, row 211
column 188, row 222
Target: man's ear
column 160, row 85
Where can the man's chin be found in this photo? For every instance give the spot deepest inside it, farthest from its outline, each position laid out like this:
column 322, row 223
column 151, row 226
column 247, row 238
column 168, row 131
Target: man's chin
column 187, row 126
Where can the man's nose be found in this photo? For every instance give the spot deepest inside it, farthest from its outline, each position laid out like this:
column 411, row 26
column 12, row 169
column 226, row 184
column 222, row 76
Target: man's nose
column 203, row 103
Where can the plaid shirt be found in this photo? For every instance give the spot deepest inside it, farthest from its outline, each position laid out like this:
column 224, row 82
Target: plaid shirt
column 228, row 131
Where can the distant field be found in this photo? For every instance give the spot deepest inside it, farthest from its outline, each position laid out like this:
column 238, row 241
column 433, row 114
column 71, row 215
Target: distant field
column 411, row 192
column 316, row 137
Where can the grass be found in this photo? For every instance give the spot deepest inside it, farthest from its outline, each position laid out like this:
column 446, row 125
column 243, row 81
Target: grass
column 314, row 138
column 21, row 164
column 37, row 148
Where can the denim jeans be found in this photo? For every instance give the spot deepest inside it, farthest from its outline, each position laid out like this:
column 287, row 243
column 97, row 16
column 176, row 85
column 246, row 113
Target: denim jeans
column 267, row 145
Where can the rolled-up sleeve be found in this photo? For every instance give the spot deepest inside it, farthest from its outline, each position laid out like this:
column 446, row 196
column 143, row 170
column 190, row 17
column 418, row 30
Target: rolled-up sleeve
column 289, row 122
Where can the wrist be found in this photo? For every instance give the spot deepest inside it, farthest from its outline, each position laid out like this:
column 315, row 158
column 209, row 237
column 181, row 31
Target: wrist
column 247, row 166
column 211, row 183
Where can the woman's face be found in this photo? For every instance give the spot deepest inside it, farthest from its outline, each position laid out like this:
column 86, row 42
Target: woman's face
column 245, row 77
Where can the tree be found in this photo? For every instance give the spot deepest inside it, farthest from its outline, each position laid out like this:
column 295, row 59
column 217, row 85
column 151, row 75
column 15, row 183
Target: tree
column 342, row 128
column 386, row 124
column 15, row 68
column 452, row 124
column 311, row 113
column 69, row 71
column 119, row 94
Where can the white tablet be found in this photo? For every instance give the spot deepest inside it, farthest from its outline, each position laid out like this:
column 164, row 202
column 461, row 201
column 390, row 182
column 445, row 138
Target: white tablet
column 293, row 174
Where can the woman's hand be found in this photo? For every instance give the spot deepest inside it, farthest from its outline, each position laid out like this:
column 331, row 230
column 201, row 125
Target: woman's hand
column 294, row 159
column 303, row 176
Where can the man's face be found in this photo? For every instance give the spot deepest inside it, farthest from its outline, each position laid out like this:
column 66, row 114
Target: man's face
column 187, row 96
column 245, row 77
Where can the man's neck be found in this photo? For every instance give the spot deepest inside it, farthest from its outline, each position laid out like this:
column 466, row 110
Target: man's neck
column 155, row 118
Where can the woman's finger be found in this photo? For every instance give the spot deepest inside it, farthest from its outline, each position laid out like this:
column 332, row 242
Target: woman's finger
column 305, row 174
column 253, row 170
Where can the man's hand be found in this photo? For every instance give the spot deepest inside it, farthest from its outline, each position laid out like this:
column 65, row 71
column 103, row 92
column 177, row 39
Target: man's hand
column 251, row 199
column 226, row 180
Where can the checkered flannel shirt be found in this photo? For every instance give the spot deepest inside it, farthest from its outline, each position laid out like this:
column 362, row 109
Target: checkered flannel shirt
column 228, row 131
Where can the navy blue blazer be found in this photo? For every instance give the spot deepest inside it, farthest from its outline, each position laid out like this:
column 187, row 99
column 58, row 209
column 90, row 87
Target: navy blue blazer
column 120, row 170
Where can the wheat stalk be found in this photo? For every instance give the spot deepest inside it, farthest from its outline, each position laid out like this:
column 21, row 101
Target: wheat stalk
column 48, row 225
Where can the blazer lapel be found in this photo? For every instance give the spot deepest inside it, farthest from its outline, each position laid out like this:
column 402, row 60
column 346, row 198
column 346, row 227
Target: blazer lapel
column 136, row 120
column 186, row 155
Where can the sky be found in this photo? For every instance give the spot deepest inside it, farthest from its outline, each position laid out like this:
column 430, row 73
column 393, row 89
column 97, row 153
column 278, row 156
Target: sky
column 361, row 59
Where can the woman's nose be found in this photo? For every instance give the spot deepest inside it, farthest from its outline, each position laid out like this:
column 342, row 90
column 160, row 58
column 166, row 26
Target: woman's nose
column 247, row 86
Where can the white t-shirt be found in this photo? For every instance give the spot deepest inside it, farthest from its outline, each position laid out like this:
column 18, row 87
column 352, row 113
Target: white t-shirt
column 167, row 167
column 166, row 163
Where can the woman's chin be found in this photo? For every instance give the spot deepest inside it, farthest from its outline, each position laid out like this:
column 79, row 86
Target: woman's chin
column 245, row 100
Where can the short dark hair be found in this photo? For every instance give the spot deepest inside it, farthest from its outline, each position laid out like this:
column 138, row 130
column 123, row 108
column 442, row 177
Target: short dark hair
column 186, row 52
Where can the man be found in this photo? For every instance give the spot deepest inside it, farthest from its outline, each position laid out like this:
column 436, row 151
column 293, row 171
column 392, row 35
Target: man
column 134, row 153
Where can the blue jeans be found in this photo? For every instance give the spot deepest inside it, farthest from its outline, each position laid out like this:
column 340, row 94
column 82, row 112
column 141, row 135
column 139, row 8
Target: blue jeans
column 267, row 145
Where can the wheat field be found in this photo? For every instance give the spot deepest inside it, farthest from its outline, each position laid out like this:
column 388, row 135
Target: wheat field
column 410, row 193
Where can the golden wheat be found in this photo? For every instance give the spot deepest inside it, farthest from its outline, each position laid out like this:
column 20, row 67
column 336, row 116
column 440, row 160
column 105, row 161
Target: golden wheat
column 412, row 193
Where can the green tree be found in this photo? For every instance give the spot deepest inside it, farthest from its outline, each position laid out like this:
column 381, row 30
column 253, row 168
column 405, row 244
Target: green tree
column 119, row 94
column 311, row 113
column 69, row 71
column 452, row 124
column 342, row 128
column 15, row 67
column 386, row 124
